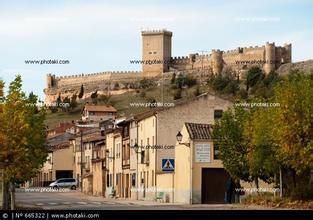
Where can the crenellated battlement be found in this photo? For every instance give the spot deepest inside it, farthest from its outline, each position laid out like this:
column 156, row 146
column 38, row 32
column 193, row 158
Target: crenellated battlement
column 95, row 74
column 157, row 45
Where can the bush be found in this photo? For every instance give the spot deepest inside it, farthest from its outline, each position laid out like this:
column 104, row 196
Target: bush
column 188, row 80
column 178, row 94
column 104, row 98
column 143, row 94
column 152, row 101
column 116, row 86
column 232, row 87
column 243, row 94
column 53, row 109
column 146, row 83
column 197, row 91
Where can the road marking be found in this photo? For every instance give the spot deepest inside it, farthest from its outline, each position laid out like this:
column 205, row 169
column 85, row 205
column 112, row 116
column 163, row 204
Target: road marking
column 52, row 203
column 39, row 204
column 109, row 203
column 97, row 203
column 82, row 203
column 66, row 203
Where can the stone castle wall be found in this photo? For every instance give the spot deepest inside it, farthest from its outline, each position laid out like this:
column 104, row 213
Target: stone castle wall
column 268, row 57
column 157, row 46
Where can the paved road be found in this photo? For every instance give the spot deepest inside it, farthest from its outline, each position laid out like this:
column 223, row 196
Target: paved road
column 77, row 200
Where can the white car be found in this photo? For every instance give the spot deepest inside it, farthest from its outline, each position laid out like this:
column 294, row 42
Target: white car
column 64, row 183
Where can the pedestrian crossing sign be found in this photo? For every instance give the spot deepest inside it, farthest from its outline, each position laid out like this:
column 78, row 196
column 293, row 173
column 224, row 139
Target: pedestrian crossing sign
column 168, row 165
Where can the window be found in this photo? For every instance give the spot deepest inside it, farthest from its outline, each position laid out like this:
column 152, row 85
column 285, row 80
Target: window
column 152, row 178
column 108, row 180
column 92, row 113
column 218, row 114
column 143, row 156
column 216, row 152
column 147, row 179
column 152, row 144
column 134, row 179
column 148, row 144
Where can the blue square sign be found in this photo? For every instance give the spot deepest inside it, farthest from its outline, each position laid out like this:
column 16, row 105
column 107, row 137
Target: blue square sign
column 168, row 165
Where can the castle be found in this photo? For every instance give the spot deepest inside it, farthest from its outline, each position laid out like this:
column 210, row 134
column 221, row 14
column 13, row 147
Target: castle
column 157, row 59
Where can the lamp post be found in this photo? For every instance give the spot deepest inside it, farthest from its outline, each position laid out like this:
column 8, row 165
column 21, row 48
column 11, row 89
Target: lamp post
column 179, row 138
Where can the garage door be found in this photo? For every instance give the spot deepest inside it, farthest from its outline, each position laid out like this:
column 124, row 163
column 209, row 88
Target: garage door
column 213, row 185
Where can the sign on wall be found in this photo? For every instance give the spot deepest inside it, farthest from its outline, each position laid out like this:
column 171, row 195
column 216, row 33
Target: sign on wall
column 168, row 165
column 202, row 153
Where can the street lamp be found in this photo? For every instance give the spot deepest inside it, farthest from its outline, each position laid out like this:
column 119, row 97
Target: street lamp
column 179, row 138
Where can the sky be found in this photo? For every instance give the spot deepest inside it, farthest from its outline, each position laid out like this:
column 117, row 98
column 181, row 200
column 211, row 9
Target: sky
column 98, row 36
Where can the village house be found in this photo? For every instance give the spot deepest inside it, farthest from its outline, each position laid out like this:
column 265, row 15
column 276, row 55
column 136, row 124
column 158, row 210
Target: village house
column 153, row 141
column 98, row 112
column 199, row 173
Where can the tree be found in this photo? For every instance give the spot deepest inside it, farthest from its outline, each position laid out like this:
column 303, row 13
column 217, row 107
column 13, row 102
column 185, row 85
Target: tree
column 73, row 102
column 66, row 103
column 255, row 74
column 58, row 101
column 262, row 158
column 293, row 130
column 228, row 135
column 173, row 78
column 94, row 97
column 23, row 134
column 81, row 92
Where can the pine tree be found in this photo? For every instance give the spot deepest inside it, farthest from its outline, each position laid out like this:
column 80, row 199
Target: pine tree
column 81, row 93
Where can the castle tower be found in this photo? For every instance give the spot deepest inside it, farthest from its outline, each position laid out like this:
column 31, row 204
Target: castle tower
column 270, row 57
column 156, row 51
column 50, row 80
column 287, row 54
column 217, row 61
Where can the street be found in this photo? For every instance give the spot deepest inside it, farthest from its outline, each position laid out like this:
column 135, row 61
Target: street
column 76, row 200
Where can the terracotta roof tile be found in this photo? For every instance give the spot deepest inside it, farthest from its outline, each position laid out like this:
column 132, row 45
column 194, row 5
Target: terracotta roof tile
column 199, row 131
column 100, row 108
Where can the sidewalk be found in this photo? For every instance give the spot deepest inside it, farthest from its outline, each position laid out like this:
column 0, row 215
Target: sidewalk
column 127, row 201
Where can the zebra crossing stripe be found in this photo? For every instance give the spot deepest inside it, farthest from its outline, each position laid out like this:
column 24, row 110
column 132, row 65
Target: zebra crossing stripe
column 82, row 203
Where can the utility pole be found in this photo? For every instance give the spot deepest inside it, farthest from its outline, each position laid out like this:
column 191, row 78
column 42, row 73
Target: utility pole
column 280, row 183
